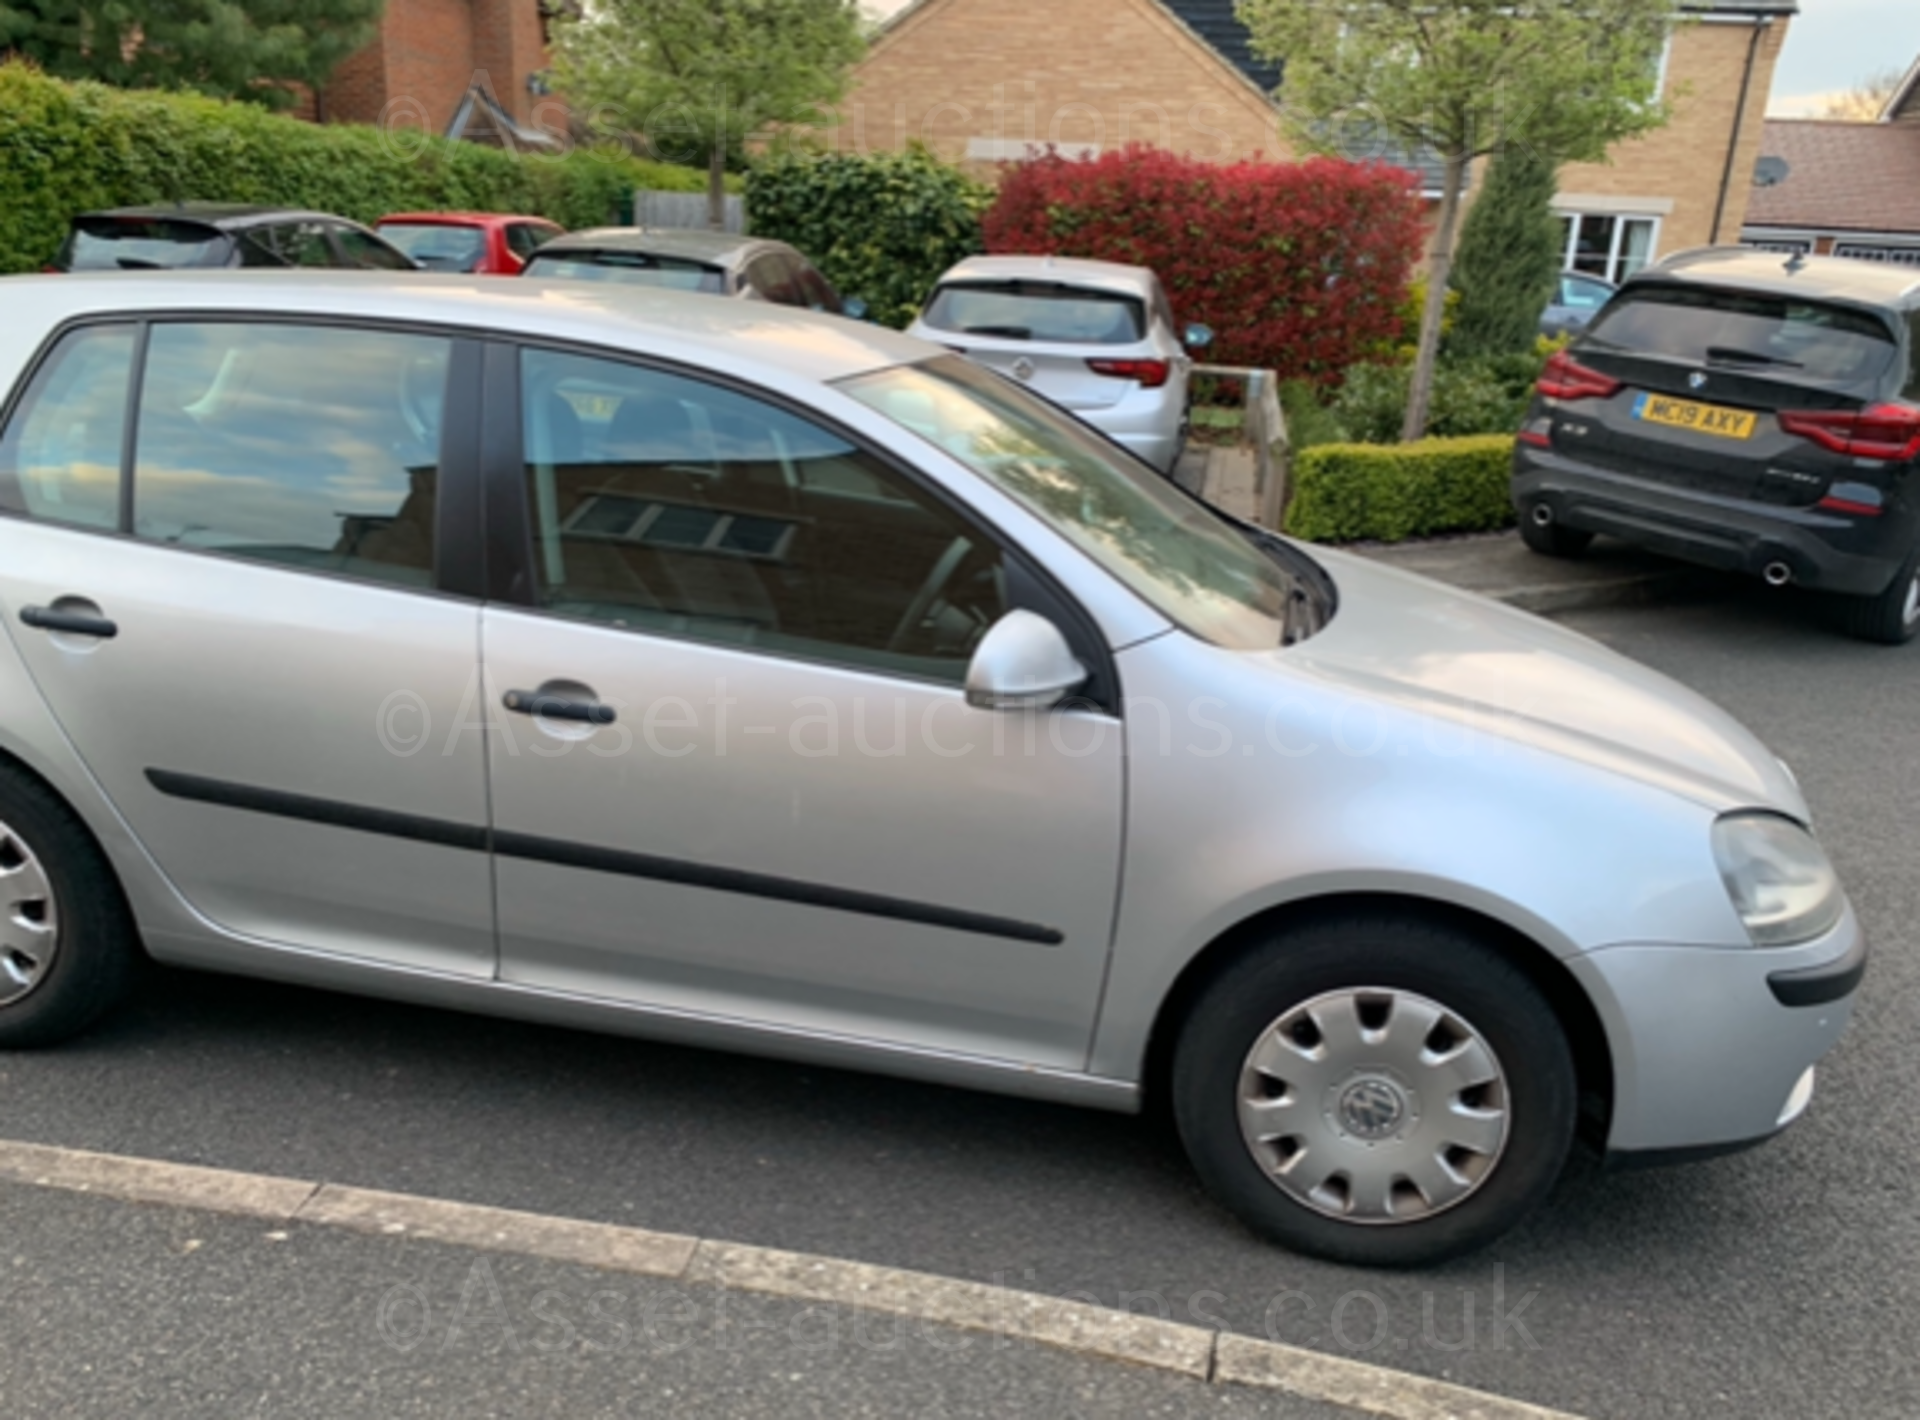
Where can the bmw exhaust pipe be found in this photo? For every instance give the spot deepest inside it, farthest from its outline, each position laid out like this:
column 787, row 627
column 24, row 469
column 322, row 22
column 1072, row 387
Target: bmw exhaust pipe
column 1542, row 514
column 1777, row 574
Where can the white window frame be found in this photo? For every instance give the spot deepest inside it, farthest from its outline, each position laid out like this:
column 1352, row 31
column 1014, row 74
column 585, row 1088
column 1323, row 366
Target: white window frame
column 1573, row 220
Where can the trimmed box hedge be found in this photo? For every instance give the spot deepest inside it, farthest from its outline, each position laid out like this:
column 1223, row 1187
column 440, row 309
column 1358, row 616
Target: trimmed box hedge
column 1390, row 492
column 882, row 227
column 70, row 148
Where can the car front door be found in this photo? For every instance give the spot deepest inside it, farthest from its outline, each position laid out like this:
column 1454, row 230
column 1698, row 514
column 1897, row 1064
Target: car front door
column 232, row 610
column 735, row 773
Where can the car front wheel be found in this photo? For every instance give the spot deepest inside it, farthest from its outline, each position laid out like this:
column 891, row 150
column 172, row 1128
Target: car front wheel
column 1380, row 1091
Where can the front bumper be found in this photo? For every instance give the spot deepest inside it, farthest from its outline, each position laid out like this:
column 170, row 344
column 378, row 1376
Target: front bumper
column 1708, row 1053
column 1830, row 551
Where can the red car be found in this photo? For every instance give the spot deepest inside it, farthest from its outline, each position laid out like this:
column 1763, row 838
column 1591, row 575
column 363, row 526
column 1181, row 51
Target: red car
column 486, row 243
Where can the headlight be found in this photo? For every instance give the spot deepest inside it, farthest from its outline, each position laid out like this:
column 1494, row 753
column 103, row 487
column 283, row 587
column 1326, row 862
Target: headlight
column 1780, row 881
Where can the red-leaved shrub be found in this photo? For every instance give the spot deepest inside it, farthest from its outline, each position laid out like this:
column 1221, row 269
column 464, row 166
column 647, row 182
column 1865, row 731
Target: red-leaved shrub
column 1298, row 267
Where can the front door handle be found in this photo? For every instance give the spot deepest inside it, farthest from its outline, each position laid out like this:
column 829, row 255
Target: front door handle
column 557, row 706
column 77, row 623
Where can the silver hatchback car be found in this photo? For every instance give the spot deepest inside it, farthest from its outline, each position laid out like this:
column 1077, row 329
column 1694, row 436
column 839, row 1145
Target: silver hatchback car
column 749, row 678
column 1095, row 337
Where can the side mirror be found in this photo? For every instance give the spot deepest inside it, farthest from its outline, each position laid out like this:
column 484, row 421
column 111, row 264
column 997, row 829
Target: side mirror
column 853, row 308
column 1199, row 337
column 1022, row 663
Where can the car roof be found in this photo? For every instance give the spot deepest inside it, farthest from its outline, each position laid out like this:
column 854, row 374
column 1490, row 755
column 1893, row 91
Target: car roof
column 214, row 214
column 465, row 219
column 744, row 338
column 687, row 243
column 1836, row 278
column 1069, row 270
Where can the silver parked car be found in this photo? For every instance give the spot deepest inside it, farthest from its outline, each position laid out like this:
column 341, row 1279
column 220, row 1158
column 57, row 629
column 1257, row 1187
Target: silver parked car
column 713, row 263
column 1095, row 337
column 749, row 678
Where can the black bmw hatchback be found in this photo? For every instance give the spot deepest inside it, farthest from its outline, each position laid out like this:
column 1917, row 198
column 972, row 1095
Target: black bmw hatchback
column 1743, row 410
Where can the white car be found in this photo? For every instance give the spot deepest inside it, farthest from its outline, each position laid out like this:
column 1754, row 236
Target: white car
column 1097, row 338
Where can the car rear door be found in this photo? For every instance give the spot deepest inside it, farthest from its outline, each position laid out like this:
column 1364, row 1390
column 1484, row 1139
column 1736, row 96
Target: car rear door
column 1704, row 377
column 736, row 774
column 237, row 613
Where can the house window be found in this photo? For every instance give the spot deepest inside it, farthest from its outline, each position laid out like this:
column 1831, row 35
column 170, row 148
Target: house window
column 1863, row 251
column 1610, row 247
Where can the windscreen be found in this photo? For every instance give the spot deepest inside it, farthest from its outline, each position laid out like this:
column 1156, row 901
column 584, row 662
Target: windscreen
column 142, row 244
column 1807, row 342
column 1027, row 310
column 438, row 246
column 630, row 268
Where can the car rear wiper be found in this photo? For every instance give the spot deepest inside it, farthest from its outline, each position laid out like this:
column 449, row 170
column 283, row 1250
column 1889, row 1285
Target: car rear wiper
column 1730, row 354
column 137, row 263
column 1005, row 332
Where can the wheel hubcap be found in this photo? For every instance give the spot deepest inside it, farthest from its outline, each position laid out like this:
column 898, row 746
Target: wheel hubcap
column 29, row 924
column 1374, row 1105
column 1911, row 613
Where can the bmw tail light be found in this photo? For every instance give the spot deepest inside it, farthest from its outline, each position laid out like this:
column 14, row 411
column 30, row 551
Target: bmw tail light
column 1567, row 378
column 1888, row 432
column 1150, row 374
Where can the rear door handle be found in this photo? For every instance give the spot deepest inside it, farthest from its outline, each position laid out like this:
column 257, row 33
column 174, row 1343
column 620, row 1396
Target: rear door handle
column 558, row 707
column 77, row 623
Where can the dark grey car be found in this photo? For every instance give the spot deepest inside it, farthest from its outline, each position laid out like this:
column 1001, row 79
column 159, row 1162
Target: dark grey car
column 1745, row 411
column 714, row 263
column 203, row 234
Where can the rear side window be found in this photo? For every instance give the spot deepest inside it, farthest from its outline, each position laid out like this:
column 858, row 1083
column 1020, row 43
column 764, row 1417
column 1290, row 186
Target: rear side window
column 363, row 249
column 141, row 244
column 524, row 239
column 630, row 268
column 438, row 246
column 1806, row 342
column 60, row 454
column 1026, row 310
column 309, row 447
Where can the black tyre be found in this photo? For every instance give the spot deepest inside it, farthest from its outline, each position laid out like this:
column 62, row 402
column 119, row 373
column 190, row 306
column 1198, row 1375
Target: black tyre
column 67, row 946
column 1551, row 539
column 1375, row 1090
column 1893, row 617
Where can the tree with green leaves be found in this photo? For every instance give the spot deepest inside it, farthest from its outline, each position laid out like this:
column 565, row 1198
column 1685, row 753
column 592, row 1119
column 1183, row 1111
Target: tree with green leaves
column 1464, row 79
column 713, row 72
column 1509, row 261
column 231, row 49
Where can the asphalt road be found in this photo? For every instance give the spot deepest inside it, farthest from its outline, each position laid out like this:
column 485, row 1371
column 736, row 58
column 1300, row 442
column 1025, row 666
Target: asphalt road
column 1781, row 1283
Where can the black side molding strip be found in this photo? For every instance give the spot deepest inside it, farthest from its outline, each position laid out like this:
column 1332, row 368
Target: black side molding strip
column 591, row 859
column 735, row 880
column 1820, row 985
column 331, row 812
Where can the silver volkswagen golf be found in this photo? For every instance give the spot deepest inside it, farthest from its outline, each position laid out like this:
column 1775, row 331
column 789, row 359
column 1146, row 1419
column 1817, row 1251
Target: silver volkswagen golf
column 754, row 679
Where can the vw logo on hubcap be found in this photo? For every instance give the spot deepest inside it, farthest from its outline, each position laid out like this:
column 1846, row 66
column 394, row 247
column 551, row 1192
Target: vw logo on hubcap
column 1371, row 1108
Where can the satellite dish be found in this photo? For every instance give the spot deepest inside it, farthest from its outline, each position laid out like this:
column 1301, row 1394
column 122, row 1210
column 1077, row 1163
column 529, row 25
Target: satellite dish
column 1770, row 172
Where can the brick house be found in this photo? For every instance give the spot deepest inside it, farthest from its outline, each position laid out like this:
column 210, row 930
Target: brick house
column 465, row 68
column 1842, row 189
column 985, row 81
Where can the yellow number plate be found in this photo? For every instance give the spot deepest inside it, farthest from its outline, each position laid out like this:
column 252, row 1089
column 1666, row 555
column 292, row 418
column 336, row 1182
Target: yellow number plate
column 1689, row 414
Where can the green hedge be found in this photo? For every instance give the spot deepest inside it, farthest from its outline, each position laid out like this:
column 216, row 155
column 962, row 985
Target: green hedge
column 67, row 148
column 1388, row 492
column 880, row 226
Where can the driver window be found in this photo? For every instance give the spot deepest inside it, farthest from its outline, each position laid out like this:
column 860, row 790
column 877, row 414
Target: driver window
column 667, row 505
column 311, row 447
